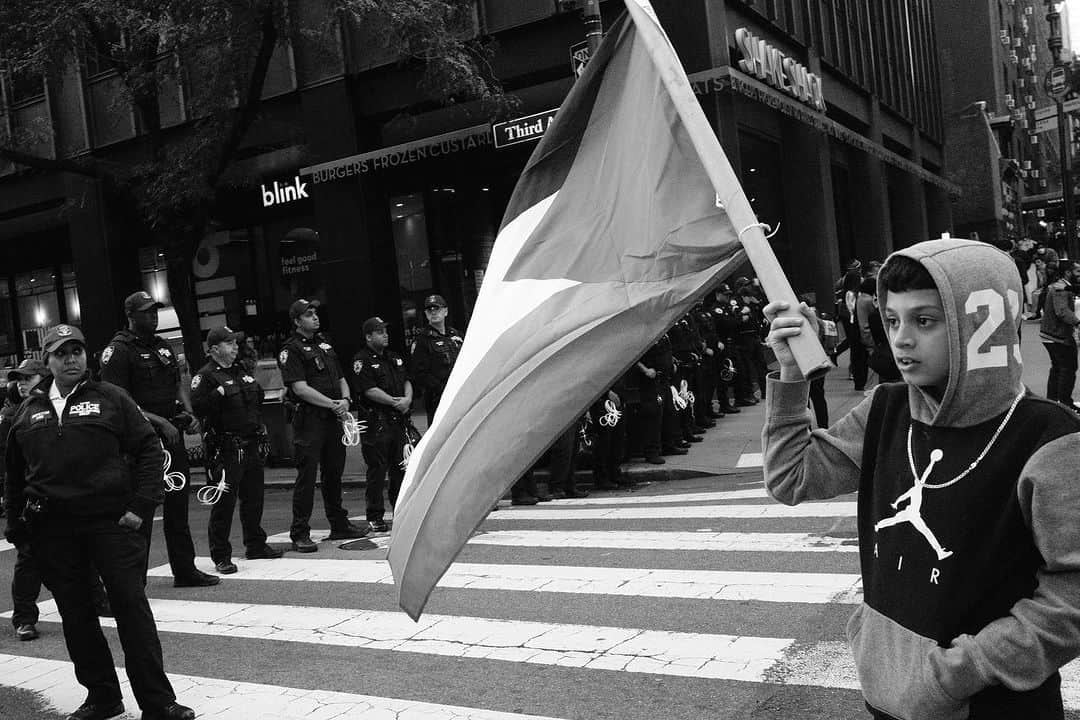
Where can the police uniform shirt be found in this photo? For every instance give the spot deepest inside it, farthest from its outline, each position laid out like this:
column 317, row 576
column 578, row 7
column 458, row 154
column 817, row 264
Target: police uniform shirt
column 227, row 399
column 312, row 361
column 385, row 371
column 434, row 355
column 147, row 369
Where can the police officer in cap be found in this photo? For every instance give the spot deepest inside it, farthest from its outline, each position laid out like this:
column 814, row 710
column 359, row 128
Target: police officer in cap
column 312, row 373
column 434, row 353
column 143, row 364
column 383, row 386
column 80, row 498
column 226, row 400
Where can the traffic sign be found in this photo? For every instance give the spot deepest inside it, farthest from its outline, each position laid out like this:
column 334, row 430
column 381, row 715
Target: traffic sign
column 1056, row 82
column 579, row 57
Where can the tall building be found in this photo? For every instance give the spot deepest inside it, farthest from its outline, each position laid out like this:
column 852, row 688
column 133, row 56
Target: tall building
column 1001, row 137
column 369, row 198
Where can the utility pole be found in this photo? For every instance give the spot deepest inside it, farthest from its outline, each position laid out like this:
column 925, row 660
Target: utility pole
column 1057, row 85
column 594, row 25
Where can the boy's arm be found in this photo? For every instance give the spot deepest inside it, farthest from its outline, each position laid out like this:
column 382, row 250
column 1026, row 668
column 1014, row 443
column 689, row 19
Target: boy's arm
column 800, row 464
column 804, row 464
column 1041, row 633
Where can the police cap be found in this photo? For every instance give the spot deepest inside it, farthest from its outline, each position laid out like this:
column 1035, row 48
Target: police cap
column 28, row 368
column 300, row 307
column 434, row 301
column 374, row 324
column 139, row 301
column 220, row 335
column 61, row 334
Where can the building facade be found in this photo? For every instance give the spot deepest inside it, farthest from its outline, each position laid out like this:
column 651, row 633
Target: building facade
column 1001, row 138
column 829, row 110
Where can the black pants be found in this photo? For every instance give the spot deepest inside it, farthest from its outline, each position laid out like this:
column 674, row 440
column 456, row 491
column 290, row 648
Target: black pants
column 561, row 459
column 66, row 548
column 608, row 450
column 317, row 437
column 244, row 476
column 431, row 403
column 706, row 388
column 648, row 421
column 174, row 512
column 859, row 368
column 1062, row 377
column 382, row 448
column 25, row 587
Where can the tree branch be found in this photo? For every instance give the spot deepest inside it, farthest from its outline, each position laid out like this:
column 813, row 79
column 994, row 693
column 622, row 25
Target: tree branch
column 78, row 167
column 245, row 114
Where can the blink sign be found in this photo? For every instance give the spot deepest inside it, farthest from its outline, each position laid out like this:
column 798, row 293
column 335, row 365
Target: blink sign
column 530, row 127
column 278, row 194
column 766, row 63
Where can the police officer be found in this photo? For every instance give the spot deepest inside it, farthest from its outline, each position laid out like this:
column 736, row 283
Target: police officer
column 143, row 364
column 434, row 353
column 80, row 498
column 226, row 400
column 383, row 386
column 312, row 373
column 25, row 579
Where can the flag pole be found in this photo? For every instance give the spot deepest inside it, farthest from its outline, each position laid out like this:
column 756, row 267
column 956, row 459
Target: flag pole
column 807, row 349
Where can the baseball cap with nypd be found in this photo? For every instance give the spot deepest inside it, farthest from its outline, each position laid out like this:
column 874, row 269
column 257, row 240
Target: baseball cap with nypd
column 61, row 334
column 300, row 307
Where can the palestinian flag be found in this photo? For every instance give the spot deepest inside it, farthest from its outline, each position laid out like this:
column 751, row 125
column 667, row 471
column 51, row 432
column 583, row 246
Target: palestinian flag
column 613, row 232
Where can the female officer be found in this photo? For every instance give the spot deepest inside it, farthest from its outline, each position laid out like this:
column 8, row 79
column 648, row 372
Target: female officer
column 83, row 475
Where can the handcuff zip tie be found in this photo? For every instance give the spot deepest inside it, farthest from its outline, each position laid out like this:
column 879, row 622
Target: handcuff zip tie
column 174, row 480
column 210, row 494
column 611, row 417
column 351, row 430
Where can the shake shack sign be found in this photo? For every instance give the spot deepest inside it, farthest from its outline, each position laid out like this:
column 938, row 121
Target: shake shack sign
column 766, row 63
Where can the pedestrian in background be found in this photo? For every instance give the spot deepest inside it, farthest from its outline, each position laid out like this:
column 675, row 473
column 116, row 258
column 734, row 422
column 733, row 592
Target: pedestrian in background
column 319, row 395
column 1057, row 330
column 227, row 402
column 142, row 363
column 80, row 498
column 433, row 354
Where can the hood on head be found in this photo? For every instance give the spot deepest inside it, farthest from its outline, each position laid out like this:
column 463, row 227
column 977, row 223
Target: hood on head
column 981, row 293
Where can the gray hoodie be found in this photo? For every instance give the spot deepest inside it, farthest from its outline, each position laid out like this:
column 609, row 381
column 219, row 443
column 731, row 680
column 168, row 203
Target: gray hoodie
column 968, row 511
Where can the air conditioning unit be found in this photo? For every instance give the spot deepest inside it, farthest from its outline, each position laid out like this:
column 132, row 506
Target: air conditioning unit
column 1009, row 103
column 1014, row 58
column 1035, row 172
column 1040, row 212
column 1023, row 173
column 1020, row 82
column 1035, row 139
column 1031, row 50
column 1027, row 164
column 1029, row 10
column 1031, row 104
column 1042, row 183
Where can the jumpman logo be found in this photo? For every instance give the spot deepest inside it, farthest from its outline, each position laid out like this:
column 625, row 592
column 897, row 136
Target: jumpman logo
column 913, row 512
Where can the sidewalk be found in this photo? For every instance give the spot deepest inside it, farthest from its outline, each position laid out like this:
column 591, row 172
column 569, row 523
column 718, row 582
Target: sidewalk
column 735, row 438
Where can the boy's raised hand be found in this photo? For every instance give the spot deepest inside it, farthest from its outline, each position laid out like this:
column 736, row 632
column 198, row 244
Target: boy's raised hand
column 783, row 328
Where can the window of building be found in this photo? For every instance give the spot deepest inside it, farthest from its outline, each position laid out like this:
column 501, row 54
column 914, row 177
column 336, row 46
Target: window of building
column 95, row 56
column 25, row 87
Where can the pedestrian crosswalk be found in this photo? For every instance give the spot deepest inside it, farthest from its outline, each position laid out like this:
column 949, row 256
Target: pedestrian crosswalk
column 550, row 612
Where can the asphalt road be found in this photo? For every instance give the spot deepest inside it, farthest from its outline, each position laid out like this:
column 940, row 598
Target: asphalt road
column 648, row 629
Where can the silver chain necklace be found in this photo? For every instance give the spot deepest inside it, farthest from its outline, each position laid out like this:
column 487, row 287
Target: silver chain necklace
column 961, row 476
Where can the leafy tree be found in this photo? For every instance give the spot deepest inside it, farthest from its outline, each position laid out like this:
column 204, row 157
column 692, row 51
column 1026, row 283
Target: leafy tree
column 222, row 50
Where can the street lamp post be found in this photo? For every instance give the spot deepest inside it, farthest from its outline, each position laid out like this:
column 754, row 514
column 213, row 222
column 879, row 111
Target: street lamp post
column 590, row 13
column 1054, row 44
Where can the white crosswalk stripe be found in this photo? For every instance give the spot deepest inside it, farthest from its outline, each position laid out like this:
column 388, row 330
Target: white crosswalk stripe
column 763, row 511
column 814, row 588
column 649, row 540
